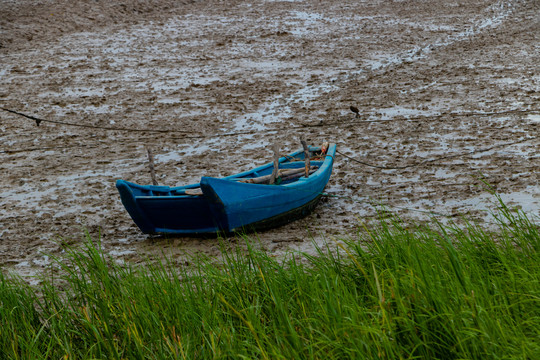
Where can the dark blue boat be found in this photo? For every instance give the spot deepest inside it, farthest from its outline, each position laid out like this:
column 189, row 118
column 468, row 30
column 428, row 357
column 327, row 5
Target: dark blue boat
column 234, row 203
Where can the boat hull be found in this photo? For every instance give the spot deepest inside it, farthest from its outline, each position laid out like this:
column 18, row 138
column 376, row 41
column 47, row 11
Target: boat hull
column 226, row 205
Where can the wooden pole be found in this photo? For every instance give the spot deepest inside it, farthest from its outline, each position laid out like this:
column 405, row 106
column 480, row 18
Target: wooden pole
column 306, row 155
column 275, row 147
column 284, row 173
column 151, row 165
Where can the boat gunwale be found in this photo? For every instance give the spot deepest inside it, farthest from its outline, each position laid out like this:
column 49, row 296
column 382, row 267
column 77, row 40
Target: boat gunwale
column 327, row 162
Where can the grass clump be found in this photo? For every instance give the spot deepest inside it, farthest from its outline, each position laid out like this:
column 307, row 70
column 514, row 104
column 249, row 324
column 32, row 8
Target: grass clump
column 396, row 292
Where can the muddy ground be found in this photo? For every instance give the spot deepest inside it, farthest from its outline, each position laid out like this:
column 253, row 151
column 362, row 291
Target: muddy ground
column 448, row 93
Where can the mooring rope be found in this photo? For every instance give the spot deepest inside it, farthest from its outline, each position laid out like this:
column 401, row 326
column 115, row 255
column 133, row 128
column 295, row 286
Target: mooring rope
column 189, row 134
column 438, row 158
column 326, row 194
column 338, row 123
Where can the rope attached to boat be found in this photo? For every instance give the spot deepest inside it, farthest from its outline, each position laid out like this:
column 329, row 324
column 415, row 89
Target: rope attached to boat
column 341, row 122
column 438, row 158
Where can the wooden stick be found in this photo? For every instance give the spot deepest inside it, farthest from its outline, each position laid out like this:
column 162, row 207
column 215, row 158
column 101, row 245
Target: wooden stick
column 306, row 155
column 297, row 175
column 152, row 169
column 286, row 174
column 195, row 192
column 282, row 172
column 276, row 164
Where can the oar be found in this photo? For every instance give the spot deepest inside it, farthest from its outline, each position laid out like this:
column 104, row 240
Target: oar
column 286, row 174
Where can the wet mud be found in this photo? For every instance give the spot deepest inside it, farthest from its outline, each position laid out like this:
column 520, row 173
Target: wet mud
column 448, row 97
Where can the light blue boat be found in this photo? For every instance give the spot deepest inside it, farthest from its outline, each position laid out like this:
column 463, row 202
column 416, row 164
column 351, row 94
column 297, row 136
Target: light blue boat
column 231, row 204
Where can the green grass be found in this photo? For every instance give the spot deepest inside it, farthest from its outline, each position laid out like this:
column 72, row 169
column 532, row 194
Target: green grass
column 393, row 292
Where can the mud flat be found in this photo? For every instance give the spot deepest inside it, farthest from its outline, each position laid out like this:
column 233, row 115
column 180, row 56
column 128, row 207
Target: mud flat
column 448, row 94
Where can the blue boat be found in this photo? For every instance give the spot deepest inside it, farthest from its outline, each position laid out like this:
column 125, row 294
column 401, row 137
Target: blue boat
column 242, row 202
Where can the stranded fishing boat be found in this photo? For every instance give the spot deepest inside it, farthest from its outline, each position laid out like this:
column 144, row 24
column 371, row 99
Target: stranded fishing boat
column 241, row 202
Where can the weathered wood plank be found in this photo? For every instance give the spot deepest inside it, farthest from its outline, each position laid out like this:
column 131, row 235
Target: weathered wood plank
column 194, row 192
column 282, row 172
column 285, row 174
